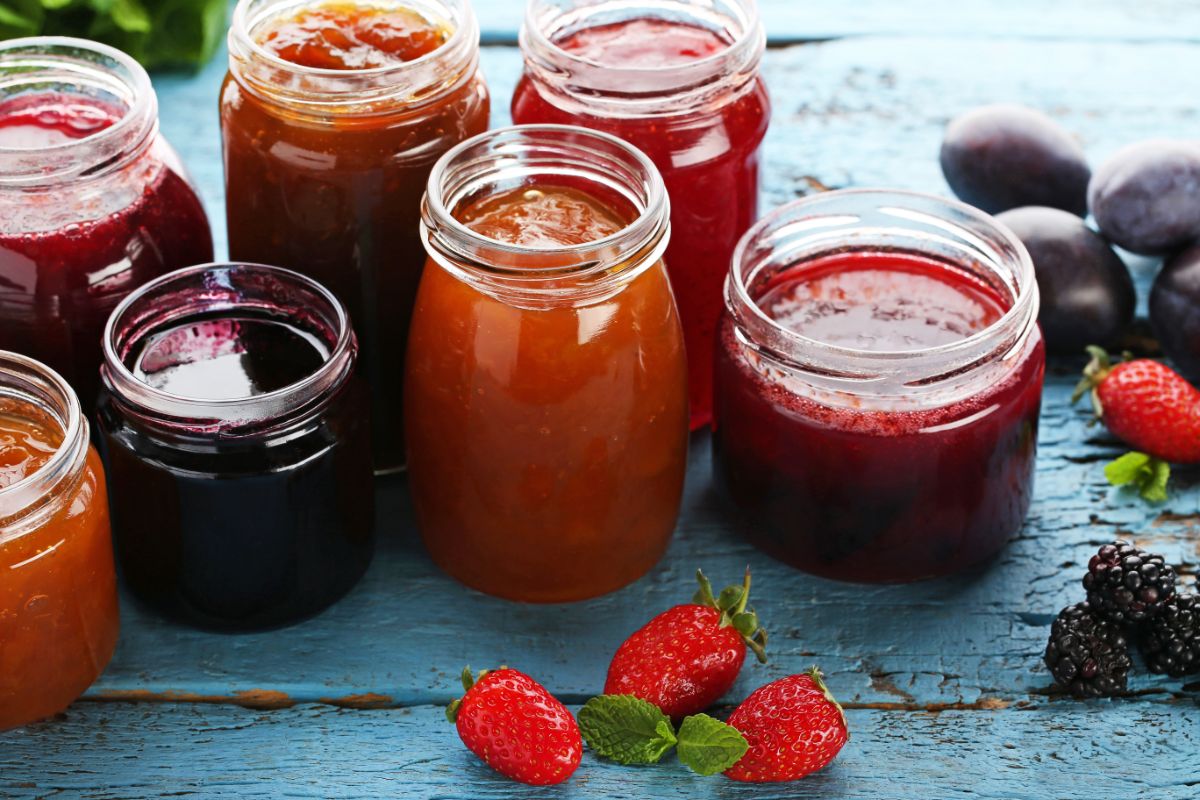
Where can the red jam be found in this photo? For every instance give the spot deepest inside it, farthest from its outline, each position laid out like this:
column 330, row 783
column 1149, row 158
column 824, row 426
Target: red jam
column 846, row 489
column 708, row 160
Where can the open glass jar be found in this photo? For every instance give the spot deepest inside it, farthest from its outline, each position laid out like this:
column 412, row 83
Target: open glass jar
column 58, row 590
column 546, row 395
column 879, row 376
column 238, row 452
column 93, row 201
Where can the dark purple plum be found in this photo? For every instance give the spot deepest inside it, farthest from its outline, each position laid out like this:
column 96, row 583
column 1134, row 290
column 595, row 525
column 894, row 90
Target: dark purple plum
column 1005, row 156
column 1175, row 311
column 1146, row 197
column 1086, row 292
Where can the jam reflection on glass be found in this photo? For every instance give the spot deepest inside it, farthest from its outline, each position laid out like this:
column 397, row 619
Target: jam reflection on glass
column 709, row 160
column 861, row 493
column 70, row 253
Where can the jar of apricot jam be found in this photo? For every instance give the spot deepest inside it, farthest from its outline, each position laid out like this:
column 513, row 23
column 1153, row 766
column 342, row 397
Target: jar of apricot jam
column 546, row 395
column 679, row 80
column 333, row 114
column 93, row 201
column 58, row 589
column 239, row 460
column 878, row 380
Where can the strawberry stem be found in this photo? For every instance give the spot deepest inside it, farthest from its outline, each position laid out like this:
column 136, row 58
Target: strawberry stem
column 1094, row 373
column 732, row 603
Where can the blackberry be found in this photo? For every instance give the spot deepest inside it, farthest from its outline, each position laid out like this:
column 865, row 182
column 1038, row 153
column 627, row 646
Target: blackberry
column 1170, row 642
column 1126, row 584
column 1087, row 654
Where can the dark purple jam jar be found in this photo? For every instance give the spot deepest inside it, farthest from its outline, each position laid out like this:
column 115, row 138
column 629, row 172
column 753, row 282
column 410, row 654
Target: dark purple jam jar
column 236, row 441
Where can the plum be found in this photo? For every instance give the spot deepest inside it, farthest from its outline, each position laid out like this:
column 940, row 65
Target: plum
column 1005, row 156
column 1175, row 311
column 1086, row 291
column 1146, row 197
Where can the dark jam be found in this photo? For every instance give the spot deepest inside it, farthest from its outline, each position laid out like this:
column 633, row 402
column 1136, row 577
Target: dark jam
column 708, row 159
column 69, row 254
column 853, row 491
column 248, row 531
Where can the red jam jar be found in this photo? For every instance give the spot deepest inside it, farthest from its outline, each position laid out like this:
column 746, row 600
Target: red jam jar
column 878, row 380
column 332, row 116
column 679, row 80
column 93, row 201
column 58, row 587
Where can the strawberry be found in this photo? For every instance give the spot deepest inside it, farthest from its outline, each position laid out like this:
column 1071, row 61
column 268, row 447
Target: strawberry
column 793, row 727
column 518, row 728
column 687, row 657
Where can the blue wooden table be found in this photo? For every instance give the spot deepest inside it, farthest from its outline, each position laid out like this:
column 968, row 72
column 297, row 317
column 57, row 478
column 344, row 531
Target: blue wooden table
column 942, row 681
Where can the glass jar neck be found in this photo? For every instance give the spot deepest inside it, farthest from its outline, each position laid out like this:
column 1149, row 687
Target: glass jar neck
column 312, row 92
column 581, row 85
column 27, row 386
column 212, row 290
column 873, row 221
column 529, row 155
column 79, row 68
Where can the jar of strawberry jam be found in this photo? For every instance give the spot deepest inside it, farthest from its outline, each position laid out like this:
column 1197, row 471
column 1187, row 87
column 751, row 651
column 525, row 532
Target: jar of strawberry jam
column 234, row 430
column 878, row 380
column 333, row 114
column 679, row 80
column 58, row 589
column 93, row 201
column 546, row 395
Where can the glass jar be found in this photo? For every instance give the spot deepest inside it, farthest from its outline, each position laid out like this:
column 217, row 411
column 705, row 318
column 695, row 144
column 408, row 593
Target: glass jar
column 234, row 430
column 546, row 399
column 324, row 171
column 679, row 80
column 58, row 593
column 878, row 380
column 93, row 201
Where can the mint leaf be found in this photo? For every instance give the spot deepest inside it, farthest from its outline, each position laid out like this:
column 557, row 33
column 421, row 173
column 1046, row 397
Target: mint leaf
column 626, row 729
column 130, row 15
column 1145, row 473
column 709, row 746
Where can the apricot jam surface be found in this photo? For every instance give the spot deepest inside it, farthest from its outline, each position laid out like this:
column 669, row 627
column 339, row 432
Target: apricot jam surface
column 351, row 36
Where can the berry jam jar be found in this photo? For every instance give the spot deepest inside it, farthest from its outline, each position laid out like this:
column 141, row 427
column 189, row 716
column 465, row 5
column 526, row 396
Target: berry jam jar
column 678, row 79
column 333, row 114
column 546, row 398
column 237, row 447
column 58, row 588
column 93, row 201
column 878, row 380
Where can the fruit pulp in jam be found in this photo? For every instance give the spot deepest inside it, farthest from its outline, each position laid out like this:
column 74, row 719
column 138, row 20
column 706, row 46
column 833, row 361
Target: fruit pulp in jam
column 709, row 161
column 854, row 491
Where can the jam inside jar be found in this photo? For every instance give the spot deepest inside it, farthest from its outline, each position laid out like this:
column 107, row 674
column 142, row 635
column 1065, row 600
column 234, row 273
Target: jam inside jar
column 546, row 395
column 58, row 592
column 237, row 446
column 678, row 80
column 93, row 201
column 332, row 115
column 878, row 381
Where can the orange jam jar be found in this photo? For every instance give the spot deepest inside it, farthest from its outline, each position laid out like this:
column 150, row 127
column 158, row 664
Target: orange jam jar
column 546, row 403
column 58, row 590
column 332, row 115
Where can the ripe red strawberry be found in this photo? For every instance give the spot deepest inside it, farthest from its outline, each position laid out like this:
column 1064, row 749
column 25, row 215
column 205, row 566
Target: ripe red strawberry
column 687, row 657
column 793, row 727
column 518, row 728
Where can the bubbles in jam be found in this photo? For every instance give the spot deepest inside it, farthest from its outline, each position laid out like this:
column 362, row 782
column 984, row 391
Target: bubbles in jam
column 349, row 36
column 543, row 217
column 644, row 43
column 28, row 439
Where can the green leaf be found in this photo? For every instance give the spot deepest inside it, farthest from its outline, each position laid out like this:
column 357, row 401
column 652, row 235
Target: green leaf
column 1145, row 473
column 21, row 18
column 131, row 16
column 626, row 729
column 709, row 746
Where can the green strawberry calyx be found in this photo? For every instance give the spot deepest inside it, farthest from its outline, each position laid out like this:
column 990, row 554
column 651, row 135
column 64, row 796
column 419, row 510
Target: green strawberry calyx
column 732, row 603
column 1097, row 369
column 468, row 681
column 819, row 681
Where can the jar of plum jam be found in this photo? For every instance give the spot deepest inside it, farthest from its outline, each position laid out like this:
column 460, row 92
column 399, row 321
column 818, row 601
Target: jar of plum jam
column 878, row 381
column 546, row 396
column 333, row 114
column 58, row 588
column 239, row 461
column 93, row 201
column 679, row 80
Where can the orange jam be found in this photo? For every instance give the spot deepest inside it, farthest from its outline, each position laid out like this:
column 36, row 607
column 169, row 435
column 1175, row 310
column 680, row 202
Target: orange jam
column 351, row 36
column 58, row 600
column 547, row 441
